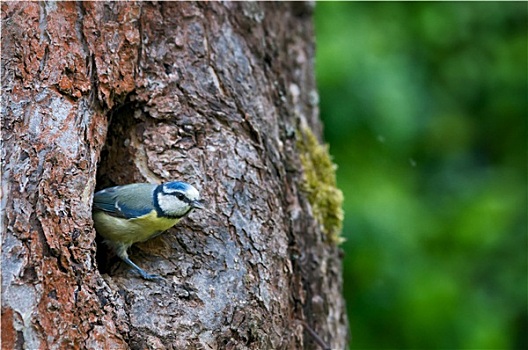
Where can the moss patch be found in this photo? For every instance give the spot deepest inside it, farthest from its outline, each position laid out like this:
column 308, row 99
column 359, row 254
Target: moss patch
column 320, row 184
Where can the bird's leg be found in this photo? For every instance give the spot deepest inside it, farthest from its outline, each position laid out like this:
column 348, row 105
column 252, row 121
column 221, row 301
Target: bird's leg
column 142, row 272
column 122, row 253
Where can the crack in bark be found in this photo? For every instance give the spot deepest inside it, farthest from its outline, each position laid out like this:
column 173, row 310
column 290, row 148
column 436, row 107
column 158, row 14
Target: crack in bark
column 140, row 46
column 44, row 35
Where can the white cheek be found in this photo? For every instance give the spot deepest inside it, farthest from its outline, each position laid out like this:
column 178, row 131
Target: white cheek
column 172, row 205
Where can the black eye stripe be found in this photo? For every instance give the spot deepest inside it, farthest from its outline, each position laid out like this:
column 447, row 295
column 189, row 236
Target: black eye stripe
column 180, row 196
column 173, row 193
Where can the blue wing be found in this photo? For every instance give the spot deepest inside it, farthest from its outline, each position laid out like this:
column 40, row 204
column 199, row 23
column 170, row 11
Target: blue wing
column 128, row 201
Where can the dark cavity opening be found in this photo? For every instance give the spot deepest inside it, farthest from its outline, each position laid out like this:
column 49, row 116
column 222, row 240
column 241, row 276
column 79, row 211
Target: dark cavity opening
column 116, row 167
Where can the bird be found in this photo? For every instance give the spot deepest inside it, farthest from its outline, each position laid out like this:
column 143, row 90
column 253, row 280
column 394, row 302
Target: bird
column 127, row 214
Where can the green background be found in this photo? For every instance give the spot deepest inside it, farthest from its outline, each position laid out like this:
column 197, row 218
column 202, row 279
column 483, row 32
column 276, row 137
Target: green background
column 425, row 111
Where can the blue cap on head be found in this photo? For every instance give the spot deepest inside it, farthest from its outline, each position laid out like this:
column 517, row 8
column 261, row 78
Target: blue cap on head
column 189, row 191
column 177, row 186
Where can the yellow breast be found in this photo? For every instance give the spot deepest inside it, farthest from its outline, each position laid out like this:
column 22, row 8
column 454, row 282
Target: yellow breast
column 130, row 231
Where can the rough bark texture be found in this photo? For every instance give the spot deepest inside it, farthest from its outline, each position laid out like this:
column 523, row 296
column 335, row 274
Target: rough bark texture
column 210, row 93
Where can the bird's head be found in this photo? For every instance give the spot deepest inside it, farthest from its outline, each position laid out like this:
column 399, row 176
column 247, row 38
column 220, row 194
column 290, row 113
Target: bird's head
column 177, row 199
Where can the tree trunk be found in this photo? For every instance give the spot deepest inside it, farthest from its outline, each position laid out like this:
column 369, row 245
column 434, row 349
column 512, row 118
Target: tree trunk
column 220, row 95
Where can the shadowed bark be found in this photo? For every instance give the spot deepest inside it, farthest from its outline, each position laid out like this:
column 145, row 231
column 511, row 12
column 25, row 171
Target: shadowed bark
column 220, row 95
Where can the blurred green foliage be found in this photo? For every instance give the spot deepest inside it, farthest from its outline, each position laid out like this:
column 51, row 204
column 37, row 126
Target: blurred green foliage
column 425, row 111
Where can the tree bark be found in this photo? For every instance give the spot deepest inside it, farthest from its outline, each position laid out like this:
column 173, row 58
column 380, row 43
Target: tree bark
column 220, row 95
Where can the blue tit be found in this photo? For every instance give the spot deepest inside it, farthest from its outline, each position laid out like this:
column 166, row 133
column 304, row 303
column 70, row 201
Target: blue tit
column 124, row 215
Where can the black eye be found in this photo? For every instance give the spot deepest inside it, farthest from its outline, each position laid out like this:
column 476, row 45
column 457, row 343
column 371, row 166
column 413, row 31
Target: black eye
column 180, row 196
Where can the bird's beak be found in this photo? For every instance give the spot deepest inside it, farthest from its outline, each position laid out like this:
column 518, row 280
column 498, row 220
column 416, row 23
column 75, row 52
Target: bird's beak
column 198, row 204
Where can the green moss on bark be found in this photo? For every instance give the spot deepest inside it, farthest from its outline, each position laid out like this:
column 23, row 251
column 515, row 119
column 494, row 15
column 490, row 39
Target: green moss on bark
column 320, row 184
